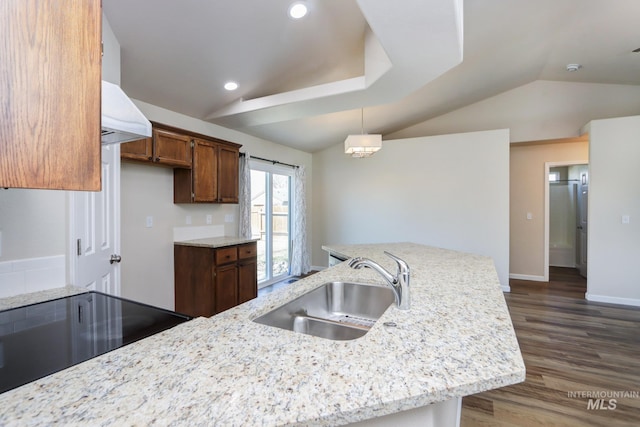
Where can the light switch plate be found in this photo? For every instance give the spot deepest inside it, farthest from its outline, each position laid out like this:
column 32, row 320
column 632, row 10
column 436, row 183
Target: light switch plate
column 209, row 219
column 188, row 220
column 149, row 221
column 529, row 215
column 626, row 219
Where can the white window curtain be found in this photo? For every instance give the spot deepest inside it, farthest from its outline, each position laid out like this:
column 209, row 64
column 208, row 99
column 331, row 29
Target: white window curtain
column 300, row 263
column 244, row 224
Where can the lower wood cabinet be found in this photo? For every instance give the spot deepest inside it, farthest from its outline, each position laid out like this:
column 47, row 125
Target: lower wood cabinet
column 211, row 280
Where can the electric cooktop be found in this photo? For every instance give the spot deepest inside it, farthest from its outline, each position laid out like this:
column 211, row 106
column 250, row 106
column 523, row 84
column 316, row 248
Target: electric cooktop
column 39, row 339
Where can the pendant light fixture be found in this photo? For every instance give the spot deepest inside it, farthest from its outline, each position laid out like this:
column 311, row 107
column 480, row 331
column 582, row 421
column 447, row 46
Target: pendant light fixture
column 363, row 145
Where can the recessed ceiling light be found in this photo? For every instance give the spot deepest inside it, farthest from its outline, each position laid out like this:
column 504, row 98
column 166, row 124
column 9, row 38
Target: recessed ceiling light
column 231, row 85
column 573, row 67
column 297, row 10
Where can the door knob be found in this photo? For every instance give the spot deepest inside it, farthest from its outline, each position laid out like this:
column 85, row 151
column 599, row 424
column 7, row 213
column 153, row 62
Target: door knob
column 115, row 258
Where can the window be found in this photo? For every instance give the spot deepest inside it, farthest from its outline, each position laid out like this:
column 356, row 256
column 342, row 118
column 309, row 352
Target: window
column 554, row 177
column 271, row 220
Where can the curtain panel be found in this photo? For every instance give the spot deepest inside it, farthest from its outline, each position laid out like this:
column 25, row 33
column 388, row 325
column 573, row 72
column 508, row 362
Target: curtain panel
column 244, row 202
column 300, row 258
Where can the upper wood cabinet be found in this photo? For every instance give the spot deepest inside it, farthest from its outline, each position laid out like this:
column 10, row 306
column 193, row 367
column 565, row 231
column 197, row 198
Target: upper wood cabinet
column 171, row 148
column 166, row 147
column 140, row 150
column 228, row 174
column 50, row 76
column 213, row 177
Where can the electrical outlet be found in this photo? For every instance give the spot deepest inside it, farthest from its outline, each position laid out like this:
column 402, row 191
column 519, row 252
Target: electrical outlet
column 188, row 220
column 626, row 219
column 209, row 219
column 149, row 221
column 228, row 218
column 529, row 215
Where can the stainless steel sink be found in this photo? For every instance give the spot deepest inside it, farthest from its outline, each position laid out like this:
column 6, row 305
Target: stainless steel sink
column 335, row 310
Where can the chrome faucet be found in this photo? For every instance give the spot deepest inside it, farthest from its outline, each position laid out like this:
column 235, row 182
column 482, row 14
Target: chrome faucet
column 398, row 283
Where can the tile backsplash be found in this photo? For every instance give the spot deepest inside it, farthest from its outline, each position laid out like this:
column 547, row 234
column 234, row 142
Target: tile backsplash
column 24, row 276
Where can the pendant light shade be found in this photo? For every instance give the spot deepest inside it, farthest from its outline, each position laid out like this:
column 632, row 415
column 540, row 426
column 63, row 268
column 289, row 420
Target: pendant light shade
column 363, row 145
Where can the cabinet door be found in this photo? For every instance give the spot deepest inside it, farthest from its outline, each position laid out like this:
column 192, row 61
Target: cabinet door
column 170, row 148
column 194, row 281
column 140, row 150
column 50, row 75
column 226, row 287
column 205, row 171
column 228, row 175
column 247, row 280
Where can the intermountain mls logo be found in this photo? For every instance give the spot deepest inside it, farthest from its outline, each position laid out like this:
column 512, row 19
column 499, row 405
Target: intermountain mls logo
column 603, row 400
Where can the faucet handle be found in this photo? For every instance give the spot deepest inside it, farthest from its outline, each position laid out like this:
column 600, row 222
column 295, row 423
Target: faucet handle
column 403, row 267
column 354, row 261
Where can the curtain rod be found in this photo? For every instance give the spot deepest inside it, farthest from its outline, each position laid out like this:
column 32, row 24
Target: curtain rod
column 275, row 162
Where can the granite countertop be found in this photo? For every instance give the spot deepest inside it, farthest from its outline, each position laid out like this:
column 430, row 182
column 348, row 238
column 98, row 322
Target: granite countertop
column 457, row 339
column 40, row 296
column 216, row 242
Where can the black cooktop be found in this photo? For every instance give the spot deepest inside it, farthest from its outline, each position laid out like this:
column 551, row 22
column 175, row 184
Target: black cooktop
column 39, row 339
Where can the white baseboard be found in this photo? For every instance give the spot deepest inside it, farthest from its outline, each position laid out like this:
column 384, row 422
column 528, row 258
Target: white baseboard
column 528, row 277
column 613, row 300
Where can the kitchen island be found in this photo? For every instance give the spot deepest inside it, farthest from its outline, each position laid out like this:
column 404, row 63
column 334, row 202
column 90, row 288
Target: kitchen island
column 457, row 339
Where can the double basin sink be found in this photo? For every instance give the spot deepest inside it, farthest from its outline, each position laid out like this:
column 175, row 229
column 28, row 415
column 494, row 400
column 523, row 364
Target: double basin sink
column 335, row 310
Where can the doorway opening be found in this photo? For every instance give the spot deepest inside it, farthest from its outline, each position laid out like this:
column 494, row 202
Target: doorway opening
column 566, row 216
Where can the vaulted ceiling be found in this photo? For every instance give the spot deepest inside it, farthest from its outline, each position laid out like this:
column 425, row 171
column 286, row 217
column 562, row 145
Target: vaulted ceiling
column 302, row 83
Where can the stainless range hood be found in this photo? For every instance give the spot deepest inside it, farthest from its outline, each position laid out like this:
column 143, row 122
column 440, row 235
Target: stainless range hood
column 121, row 119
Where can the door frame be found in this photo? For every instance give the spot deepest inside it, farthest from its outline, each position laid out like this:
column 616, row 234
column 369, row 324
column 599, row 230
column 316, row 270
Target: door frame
column 547, row 169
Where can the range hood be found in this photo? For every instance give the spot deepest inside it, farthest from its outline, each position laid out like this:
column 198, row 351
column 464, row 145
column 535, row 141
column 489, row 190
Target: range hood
column 121, row 119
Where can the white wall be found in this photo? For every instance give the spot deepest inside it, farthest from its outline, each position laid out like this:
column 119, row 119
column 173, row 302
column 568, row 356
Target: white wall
column 111, row 53
column 147, row 253
column 535, row 111
column 614, row 191
column 450, row 191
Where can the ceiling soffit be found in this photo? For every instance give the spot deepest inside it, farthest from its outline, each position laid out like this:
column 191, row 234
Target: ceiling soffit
column 405, row 48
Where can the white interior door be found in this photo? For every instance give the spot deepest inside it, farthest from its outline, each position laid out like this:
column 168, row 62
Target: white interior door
column 95, row 230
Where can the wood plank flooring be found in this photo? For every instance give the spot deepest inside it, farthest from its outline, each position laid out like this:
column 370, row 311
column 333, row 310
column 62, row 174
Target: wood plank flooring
column 568, row 345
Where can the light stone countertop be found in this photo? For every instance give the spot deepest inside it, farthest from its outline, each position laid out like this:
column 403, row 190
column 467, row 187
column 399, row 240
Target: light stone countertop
column 457, row 339
column 215, row 242
column 21, row 300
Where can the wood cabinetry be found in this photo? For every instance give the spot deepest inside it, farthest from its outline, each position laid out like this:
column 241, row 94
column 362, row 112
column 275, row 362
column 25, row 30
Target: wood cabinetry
column 50, row 76
column 211, row 280
column 165, row 147
column 213, row 177
column 205, row 168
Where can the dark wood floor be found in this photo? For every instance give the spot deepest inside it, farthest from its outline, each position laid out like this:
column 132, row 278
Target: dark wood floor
column 569, row 345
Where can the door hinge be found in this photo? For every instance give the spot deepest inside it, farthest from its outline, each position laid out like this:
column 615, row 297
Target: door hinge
column 193, row 144
column 79, row 247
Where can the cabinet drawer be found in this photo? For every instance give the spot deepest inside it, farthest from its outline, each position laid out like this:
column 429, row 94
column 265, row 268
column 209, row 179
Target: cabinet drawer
column 226, row 255
column 247, row 251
